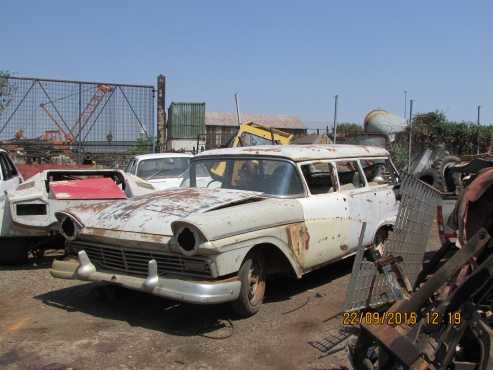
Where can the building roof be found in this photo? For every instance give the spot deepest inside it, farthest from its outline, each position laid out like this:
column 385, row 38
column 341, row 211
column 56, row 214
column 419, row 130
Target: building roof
column 303, row 152
column 276, row 121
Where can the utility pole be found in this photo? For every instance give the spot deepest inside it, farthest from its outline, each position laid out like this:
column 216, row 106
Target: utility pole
column 479, row 124
column 161, row 114
column 238, row 118
column 405, row 103
column 335, row 117
column 411, row 101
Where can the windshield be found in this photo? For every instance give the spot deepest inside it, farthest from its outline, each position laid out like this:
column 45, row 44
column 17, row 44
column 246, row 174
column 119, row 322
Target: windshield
column 269, row 176
column 248, row 139
column 162, row 168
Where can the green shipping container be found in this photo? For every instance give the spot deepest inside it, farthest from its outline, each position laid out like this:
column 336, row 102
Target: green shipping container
column 186, row 120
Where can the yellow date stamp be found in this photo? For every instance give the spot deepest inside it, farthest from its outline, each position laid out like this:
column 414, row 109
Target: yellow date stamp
column 356, row 318
column 379, row 318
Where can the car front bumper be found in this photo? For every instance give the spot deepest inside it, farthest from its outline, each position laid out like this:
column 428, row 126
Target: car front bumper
column 176, row 288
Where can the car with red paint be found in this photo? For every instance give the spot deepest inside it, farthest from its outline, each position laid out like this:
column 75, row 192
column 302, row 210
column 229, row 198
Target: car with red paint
column 29, row 221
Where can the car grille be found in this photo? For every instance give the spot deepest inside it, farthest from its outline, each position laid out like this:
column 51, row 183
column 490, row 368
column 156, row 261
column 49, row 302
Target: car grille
column 135, row 261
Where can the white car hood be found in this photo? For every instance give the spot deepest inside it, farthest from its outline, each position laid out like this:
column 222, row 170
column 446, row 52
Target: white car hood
column 154, row 213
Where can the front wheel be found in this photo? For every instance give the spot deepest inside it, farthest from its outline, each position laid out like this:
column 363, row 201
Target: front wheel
column 252, row 278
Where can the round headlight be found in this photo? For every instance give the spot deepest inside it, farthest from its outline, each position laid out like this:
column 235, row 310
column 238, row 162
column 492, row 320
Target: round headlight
column 187, row 240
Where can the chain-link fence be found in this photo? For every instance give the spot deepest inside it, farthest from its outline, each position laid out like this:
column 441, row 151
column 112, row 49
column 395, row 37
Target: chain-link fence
column 56, row 120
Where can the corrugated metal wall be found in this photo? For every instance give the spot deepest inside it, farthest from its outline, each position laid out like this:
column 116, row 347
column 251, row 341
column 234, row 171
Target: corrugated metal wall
column 186, row 120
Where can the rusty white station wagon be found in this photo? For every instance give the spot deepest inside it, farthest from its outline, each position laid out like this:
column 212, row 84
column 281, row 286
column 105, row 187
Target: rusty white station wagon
column 264, row 210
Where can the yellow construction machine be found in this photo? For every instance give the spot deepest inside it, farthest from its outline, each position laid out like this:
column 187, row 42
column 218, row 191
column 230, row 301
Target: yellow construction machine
column 251, row 133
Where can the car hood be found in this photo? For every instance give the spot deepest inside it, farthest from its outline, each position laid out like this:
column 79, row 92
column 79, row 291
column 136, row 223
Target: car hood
column 154, row 213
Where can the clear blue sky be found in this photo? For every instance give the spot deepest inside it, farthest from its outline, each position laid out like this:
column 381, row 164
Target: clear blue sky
column 283, row 57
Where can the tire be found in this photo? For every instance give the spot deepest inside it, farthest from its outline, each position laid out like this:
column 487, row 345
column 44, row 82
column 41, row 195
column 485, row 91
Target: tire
column 431, row 176
column 442, row 165
column 13, row 251
column 252, row 278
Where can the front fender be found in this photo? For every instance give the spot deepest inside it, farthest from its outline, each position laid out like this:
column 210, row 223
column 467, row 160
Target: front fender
column 233, row 252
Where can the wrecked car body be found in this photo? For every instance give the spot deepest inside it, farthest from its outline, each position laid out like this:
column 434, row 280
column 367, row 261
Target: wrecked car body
column 28, row 213
column 162, row 170
column 264, row 210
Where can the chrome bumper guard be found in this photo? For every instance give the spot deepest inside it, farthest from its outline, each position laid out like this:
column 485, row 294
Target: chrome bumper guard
column 176, row 288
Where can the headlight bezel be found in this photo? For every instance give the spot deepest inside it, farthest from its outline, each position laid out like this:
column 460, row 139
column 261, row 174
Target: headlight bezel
column 187, row 239
column 68, row 226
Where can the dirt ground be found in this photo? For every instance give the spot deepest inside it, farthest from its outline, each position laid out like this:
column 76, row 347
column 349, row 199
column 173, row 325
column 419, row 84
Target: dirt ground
column 47, row 323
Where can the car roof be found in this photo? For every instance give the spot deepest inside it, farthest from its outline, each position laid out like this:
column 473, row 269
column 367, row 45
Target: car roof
column 162, row 155
column 299, row 153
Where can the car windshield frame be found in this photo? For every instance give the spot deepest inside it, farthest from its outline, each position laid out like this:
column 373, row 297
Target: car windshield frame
column 229, row 167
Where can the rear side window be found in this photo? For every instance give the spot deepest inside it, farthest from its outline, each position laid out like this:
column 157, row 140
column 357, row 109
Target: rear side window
column 379, row 172
column 350, row 176
column 319, row 177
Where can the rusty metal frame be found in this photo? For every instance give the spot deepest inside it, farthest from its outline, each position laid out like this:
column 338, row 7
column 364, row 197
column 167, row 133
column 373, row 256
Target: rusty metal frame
column 397, row 340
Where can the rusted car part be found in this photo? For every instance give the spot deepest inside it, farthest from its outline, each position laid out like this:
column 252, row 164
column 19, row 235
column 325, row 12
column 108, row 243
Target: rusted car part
column 474, row 209
column 452, row 304
column 28, row 220
column 379, row 278
column 263, row 210
column 448, row 173
column 433, row 339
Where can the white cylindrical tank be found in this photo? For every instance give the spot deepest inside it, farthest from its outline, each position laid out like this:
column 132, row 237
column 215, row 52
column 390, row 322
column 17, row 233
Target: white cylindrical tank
column 381, row 122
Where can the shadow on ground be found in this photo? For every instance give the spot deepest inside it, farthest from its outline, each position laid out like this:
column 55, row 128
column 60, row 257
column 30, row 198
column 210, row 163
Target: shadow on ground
column 155, row 313
column 35, row 263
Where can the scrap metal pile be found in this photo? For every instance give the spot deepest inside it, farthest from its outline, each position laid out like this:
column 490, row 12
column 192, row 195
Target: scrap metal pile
column 441, row 315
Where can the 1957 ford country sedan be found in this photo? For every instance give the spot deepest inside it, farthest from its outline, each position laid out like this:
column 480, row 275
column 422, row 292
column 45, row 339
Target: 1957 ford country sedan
column 264, row 210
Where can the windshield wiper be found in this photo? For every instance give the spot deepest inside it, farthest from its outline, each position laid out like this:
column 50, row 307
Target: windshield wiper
column 154, row 174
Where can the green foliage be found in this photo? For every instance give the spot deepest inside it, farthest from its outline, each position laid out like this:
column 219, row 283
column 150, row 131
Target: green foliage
column 349, row 129
column 433, row 129
column 5, row 90
column 143, row 145
column 399, row 151
column 459, row 138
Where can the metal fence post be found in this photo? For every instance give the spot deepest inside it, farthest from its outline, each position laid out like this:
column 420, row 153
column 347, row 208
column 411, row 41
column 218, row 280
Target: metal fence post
column 79, row 144
column 411, row 101
column 335, row 118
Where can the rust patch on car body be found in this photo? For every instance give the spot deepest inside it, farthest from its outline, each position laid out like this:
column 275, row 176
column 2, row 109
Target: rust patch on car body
column 298, row 240
column 261, row 150
column 95, row 207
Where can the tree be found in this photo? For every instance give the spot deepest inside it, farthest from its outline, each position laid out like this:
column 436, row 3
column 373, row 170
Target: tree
column 143, row 145
column 5, row 90
column 348, row 129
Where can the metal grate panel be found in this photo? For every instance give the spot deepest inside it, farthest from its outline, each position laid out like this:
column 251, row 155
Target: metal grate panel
column 409, row 238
